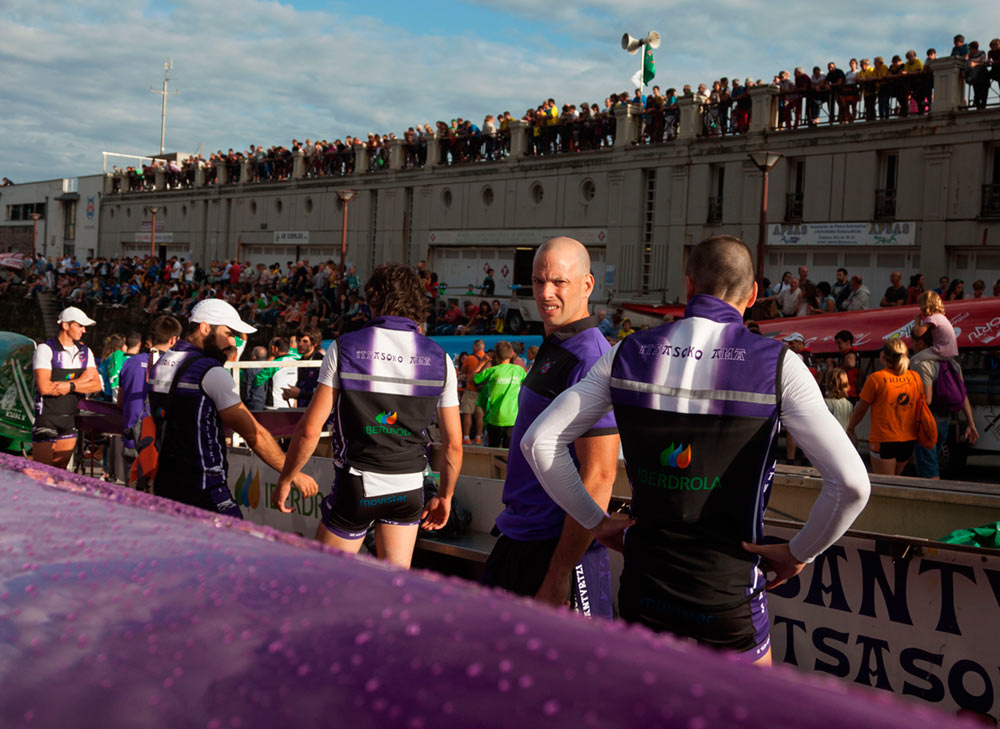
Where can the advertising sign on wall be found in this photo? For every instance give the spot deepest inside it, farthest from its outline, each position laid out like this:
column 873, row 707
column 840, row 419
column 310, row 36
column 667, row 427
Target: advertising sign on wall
column 843, row 234
column 920, row 624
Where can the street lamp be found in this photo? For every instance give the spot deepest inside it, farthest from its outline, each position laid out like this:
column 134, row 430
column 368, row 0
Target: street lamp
column 153, row 210
column 765, row 162
column 35, row 217
column 345, row 198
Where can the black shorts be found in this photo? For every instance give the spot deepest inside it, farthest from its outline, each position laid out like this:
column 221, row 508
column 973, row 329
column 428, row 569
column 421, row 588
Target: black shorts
column 901, row 450
column 498, row 436
column 49, row 428
column 743, row 628
column 349, row 514
column 218, row 500
column 520, row 567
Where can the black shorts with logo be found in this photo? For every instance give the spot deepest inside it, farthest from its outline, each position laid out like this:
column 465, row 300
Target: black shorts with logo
column 742, row 627
column 218, row 500
column 49, row 428
column 349, row 514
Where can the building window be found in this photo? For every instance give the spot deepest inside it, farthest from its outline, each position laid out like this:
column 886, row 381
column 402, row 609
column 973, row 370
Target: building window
column 69, row 227
column 885, row 196
column 24, row 211
column 991, row 190
column 718, row 188
column 794, row 199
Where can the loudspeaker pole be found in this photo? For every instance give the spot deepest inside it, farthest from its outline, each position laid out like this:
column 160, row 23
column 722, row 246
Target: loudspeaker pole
column 168, row 64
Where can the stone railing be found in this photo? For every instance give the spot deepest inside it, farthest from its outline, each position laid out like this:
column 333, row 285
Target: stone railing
column 625, row 129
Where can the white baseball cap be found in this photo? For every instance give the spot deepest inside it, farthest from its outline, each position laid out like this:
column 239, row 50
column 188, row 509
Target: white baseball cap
column 72, row 313
column 794, row 337
column 220, row 313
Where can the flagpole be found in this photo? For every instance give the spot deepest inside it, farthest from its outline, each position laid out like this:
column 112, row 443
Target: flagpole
column 642, row 69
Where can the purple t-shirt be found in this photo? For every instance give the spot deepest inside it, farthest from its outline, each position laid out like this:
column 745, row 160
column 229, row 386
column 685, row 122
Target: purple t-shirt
column 564, row 359
column 943, row 334
column 132, row 389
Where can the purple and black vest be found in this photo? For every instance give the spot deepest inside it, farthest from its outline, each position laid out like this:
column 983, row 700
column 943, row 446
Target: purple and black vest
column 697, row 404
column 190, row 436
column 62, row 371
column 391, row 377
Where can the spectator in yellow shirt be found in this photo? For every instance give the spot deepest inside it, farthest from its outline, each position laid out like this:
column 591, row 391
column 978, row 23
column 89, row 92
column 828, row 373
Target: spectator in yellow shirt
column 625, row 330
column 869, row 90
column 880, row 73
column 913, row 64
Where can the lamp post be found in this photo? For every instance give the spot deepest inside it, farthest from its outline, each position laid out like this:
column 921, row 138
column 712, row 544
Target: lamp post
column 345, row 198
column 35, row 217
column 765, row 162
column 153, row 210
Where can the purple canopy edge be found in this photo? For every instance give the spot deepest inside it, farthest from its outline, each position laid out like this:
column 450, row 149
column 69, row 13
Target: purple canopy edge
column 120, row 609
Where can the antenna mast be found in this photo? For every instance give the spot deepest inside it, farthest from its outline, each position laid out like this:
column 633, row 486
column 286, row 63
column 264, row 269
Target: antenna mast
column 167, row 66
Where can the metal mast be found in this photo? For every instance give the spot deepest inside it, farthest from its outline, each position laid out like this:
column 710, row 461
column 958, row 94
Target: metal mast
column 167, row 66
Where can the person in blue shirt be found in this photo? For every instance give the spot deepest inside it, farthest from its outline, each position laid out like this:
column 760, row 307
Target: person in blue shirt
column 606, row 324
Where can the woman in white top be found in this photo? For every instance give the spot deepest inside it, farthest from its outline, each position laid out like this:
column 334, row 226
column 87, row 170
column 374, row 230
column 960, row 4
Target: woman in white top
column 850, row 91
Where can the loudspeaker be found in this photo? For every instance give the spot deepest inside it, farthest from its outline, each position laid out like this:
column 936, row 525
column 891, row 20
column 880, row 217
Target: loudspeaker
column 631, row 44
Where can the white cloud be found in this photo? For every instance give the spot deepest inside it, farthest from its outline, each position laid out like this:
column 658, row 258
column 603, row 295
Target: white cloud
column 77, row 76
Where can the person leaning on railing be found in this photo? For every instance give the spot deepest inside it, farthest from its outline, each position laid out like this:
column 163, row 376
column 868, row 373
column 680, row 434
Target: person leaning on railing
column 868, row 87
column 978, row 75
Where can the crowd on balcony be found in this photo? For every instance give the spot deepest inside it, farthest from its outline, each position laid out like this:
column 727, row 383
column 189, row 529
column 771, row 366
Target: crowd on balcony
column 866, row 90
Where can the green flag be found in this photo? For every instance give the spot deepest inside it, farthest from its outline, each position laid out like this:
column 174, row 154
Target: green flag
column 648, row 67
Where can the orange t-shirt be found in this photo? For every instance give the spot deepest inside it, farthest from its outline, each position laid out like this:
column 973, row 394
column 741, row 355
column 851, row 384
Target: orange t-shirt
column 894, row 400
column 469, row 366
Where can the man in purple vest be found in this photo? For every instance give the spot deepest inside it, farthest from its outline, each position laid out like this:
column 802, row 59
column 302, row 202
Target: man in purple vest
column 542, row 552
column 699, row 403
column 384, row 383
column 65, row 371
column 193, row 399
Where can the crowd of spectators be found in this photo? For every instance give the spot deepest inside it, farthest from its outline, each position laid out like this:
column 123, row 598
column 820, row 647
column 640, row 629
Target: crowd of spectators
column 294, row 295
column 865, row 90
column 798, row 296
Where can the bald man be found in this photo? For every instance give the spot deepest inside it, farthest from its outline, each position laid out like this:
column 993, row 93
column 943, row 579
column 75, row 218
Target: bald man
column 541, row 552
column 700, row 402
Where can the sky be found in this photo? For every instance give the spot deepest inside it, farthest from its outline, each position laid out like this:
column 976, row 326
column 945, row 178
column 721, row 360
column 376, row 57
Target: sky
column 75, row 77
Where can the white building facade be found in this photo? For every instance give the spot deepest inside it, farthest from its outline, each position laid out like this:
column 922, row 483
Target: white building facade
column 915, row 194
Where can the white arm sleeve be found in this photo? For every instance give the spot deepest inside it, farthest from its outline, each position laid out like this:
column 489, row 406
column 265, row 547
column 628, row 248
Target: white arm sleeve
column 449, row 396
column 328, row 370
column 219, row 385
column 845, row 481
column 546, row 444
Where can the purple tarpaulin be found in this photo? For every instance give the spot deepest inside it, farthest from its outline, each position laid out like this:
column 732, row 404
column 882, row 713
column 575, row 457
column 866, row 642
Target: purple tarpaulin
column 119, row 609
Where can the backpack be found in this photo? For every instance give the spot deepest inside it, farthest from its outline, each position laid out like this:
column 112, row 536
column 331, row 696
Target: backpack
column 949, row 388
column 144, row 432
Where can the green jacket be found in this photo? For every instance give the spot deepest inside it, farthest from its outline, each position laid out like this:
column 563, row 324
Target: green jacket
column 265, row 374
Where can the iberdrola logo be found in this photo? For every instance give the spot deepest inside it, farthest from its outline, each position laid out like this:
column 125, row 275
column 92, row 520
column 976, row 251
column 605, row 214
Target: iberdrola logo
column 385, row 422
column 679, row 457
column 246, row 490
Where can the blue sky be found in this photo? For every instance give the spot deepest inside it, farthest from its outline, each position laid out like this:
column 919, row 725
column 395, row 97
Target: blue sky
column 75, row 77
